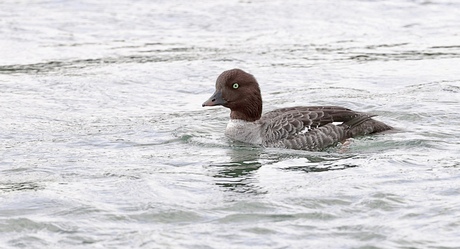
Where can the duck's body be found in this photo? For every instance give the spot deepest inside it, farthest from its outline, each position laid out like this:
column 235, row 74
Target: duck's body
column 302, row 127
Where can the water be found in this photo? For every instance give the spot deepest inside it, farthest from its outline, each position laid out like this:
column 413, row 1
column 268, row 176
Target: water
column 104, row 143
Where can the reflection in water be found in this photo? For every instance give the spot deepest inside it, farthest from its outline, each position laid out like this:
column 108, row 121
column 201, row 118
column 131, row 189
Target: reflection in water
column 326, row 166
column 237, row 174
column 315, row 161
column 238, row 178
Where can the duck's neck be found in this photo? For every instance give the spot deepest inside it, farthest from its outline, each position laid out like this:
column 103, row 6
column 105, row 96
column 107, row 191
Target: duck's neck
column 250, row 117
column 249, row 110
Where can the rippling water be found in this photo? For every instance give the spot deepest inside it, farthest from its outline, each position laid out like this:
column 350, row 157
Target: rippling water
column 104, row 143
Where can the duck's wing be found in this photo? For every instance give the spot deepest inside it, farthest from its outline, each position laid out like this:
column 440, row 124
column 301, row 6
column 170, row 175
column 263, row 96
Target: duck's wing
column 309, row 127
column 293, row 120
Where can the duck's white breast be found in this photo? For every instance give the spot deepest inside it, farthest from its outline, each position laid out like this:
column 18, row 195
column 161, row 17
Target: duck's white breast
column 244, row 131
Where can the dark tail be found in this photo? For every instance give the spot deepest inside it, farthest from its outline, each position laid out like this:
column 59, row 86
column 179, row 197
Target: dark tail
column 364, row 124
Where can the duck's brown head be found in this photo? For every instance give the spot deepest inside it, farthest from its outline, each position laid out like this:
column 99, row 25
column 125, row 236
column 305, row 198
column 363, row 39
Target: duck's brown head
column 239, row 91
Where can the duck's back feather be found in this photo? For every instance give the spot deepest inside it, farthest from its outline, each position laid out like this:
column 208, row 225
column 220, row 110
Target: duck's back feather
column 312, row 128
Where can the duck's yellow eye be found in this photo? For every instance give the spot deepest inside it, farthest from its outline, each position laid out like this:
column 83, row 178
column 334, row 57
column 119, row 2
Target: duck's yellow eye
column 235, row 85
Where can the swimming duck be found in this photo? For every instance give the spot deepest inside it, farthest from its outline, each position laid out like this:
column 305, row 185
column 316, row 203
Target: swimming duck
column 310, row 128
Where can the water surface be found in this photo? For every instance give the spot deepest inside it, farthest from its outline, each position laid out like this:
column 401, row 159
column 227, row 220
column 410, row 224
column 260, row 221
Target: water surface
column 104, row 143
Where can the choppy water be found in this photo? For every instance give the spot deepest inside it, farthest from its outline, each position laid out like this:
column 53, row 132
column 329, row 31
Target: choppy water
column 104, row 143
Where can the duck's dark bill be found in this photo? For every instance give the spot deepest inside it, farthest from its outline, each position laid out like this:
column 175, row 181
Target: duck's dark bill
column 216, row 99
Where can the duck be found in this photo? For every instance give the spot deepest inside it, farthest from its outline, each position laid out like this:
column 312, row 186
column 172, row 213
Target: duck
column 311, row 128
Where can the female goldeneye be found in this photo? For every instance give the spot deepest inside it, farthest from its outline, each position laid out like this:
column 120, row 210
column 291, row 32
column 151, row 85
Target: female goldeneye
column 301, row 127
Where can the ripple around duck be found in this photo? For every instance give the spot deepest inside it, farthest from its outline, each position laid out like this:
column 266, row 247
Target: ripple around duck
column 61, row 66
column 164, row 53
column 406, row 55
column 19, row 186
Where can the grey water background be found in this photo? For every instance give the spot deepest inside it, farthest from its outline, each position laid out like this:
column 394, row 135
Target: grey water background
column 104, row 143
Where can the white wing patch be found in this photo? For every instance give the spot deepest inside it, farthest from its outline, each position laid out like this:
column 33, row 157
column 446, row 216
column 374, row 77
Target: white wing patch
column 310, row 128
column 305, row 130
